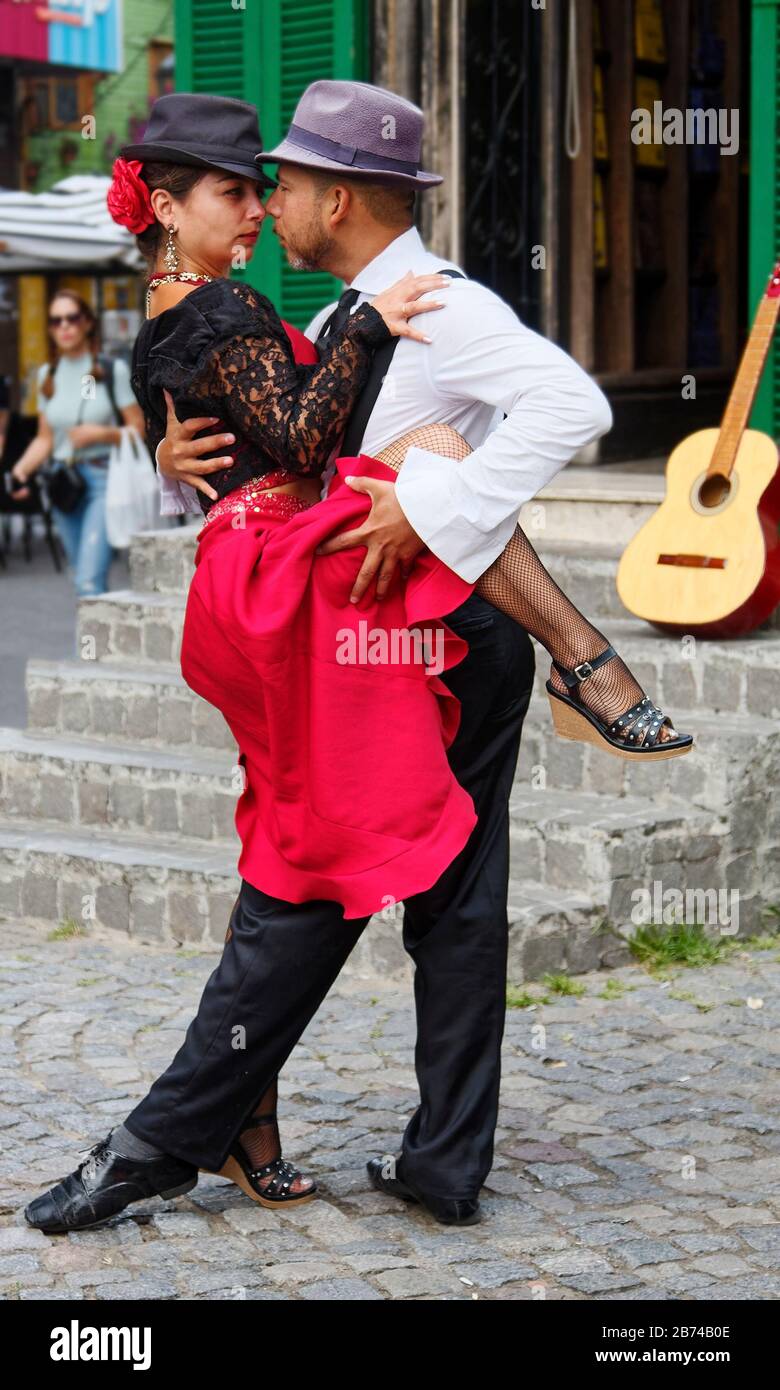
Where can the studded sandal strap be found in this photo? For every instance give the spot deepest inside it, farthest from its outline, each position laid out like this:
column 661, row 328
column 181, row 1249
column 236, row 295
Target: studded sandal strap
column 657, row 721
column 583, row 669
column 283, row 1176
column 640, row 724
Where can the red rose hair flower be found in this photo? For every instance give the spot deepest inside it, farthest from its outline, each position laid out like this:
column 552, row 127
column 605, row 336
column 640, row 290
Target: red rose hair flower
column 128, row 198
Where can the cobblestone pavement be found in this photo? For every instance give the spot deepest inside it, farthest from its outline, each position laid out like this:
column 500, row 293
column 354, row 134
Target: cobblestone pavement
column 636, row 1154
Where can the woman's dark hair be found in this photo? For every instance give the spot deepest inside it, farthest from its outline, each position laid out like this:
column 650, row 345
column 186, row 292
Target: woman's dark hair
column 87, row 312
column 176, row 179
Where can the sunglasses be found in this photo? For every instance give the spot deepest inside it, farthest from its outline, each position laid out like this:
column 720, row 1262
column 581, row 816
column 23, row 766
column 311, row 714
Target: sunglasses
column 56, row 319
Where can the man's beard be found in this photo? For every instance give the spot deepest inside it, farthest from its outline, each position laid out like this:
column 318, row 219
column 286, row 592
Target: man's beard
column 310, row 250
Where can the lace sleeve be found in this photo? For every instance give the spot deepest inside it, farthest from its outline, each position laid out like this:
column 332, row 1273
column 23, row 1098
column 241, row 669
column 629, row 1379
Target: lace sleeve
column 155, row 432
column 295, row 413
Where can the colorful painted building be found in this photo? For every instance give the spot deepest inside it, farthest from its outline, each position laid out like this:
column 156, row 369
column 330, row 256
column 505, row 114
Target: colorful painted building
column 72, row 90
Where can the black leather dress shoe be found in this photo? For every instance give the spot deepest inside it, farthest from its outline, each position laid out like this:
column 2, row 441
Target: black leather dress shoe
column 453, row 1211
column 103, row 1184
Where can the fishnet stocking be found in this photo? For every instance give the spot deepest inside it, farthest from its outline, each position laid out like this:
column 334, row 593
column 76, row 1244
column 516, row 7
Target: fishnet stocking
column 518, row 583
column 261, row 1142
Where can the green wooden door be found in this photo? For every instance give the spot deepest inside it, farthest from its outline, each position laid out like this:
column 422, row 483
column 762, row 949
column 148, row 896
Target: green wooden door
column 268, row 52
column 765, row 193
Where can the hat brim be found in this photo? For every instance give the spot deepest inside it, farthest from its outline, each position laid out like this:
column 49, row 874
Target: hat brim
column 172, row 155
column 289, row 153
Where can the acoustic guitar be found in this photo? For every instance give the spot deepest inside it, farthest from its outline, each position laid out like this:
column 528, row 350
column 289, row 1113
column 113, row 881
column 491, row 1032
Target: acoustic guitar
column 708, row 561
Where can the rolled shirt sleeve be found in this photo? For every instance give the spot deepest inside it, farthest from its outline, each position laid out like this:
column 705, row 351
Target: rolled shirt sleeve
column 466, row 510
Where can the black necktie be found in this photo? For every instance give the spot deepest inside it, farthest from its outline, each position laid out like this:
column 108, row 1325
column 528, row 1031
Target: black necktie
column 338, row 318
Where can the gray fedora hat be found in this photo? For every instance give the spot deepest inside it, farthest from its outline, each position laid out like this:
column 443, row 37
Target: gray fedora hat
column 202, row 129
column 355, row 128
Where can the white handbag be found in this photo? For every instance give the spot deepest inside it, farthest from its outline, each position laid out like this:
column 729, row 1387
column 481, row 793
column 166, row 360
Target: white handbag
column 132, row 490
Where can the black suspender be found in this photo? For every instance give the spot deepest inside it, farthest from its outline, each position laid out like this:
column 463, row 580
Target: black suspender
column 358, row 420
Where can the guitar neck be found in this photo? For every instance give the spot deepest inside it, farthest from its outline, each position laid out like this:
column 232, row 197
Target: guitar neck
column 740, row 402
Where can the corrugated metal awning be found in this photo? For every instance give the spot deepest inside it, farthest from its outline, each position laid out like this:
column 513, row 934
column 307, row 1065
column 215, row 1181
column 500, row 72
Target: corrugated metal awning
column 69, row 225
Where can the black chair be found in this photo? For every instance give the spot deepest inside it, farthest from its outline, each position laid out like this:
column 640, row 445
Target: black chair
column 21, row 429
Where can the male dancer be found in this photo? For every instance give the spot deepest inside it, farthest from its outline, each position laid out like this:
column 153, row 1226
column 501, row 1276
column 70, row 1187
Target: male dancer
column 343, row 205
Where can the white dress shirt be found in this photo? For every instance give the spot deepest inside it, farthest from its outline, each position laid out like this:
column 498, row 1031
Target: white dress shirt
column 483, row 362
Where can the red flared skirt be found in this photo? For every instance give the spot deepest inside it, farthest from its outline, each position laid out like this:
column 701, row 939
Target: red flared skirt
column 340, row 716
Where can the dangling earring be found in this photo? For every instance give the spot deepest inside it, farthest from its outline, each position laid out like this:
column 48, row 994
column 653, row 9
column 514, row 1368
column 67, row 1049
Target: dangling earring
column 170, row 258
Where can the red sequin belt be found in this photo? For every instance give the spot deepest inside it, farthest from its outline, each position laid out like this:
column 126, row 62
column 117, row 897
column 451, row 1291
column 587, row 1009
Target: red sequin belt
column 250, row 496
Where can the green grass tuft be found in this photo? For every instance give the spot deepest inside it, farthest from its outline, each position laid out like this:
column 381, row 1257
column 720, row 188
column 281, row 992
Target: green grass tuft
column 563, row 984
column 67, row 927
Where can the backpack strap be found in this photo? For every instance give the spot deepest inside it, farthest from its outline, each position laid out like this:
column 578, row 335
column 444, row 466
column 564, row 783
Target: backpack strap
column 358, row 420
column 107, row 363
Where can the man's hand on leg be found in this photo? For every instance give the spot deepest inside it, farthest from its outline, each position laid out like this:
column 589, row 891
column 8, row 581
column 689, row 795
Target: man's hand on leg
column 386, row 533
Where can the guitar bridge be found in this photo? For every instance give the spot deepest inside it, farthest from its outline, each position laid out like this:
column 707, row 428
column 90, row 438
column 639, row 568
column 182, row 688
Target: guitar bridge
column 700, row 562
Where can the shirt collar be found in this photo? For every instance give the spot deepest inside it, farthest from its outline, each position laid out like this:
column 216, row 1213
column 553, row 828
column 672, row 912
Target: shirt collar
column 391, row 264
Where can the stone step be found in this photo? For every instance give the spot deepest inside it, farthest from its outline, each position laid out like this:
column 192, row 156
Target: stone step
column 125, row 703
column 587, row 574
column 606, row 847
column 147, row 886
column 154, row 889
column 564, row 833
column 162, row 561
column 727, row 748
column 191, row 789
column 139, row 624
column 130, row 625
column 581, row 505
column 150, row 705
column 580, row 525
column 82, row 782
column 551, row 930
column 742, row 676
column 126, row 787
column 603, row 504
column 680, row 674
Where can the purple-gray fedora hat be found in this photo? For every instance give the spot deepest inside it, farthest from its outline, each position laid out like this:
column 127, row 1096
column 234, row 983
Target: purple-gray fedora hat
column 358, row 129
column 199, row 128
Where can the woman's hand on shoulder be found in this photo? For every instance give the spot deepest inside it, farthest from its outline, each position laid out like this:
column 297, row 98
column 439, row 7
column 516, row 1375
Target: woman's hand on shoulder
column 403, row 300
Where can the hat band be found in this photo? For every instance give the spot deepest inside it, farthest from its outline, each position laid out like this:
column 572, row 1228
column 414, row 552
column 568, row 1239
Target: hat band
column 347, row 154
column 208, row 153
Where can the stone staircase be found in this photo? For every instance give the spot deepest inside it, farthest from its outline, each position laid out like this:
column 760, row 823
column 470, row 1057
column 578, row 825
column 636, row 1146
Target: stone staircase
column 117, row 801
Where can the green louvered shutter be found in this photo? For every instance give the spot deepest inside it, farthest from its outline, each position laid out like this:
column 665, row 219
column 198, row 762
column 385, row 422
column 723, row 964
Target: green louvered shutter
column 765, row 193
column 268, row 52
column 212, row 41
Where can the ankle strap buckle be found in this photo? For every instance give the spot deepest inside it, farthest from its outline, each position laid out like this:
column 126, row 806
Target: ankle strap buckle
column 583, row 670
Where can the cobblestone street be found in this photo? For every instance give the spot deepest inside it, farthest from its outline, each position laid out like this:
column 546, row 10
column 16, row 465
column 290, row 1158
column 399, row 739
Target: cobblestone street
column 636, row 1154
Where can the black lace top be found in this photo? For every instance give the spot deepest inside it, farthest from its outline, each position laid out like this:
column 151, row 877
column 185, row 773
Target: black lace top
column 223, row 351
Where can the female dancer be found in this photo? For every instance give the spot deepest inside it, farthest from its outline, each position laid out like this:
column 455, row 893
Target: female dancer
column 69, row 421
column 265, row 624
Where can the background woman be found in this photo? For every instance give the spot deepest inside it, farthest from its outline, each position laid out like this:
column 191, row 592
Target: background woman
column 75, row 415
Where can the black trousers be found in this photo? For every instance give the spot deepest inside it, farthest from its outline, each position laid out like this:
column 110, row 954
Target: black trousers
column 280, row 959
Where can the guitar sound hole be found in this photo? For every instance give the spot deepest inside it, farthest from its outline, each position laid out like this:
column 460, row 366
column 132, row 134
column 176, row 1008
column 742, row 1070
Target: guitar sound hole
column 714, row 490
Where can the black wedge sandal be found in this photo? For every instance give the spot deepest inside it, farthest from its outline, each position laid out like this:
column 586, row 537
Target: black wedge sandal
column 238, row 1168
column 642, row 723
